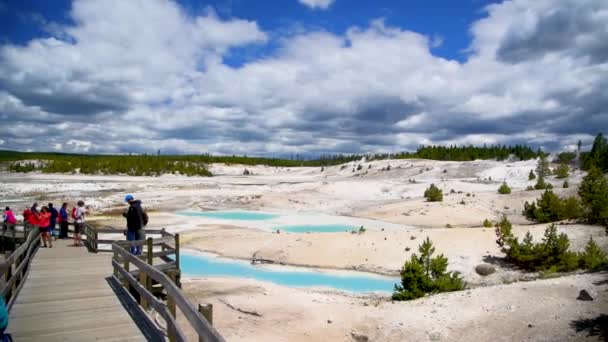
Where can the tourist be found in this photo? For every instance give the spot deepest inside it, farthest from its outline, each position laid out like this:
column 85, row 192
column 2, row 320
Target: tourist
column 79, row 214
column 44, row 223
column 3, row 320
column 26, row 215
column 34, row 208
column 8, row 219
column 63, row 221
column 137, row 218
column 54, row 215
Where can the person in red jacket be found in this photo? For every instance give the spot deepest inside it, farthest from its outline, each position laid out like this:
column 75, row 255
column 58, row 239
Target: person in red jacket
column 26, row 215
column 44, row 223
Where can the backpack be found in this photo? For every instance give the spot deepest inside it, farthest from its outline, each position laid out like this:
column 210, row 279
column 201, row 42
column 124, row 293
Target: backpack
column 74, row 213
column 144, row 217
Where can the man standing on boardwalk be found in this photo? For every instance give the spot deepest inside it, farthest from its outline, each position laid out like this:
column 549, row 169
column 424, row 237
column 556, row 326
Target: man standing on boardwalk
column 79, row 214
column 63, row 219
column 137, row 219
column 54, row 216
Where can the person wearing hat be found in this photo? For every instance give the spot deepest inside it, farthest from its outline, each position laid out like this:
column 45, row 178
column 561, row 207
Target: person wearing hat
column 137, row 218
column 79, row 214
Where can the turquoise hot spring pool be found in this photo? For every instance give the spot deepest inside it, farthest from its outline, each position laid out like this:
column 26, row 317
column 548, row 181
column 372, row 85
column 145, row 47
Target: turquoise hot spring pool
column 202, row 265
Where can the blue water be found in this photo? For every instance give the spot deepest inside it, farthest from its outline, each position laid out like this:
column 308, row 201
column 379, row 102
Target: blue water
column 324, row 228
column 232, row 215
column 202, row 265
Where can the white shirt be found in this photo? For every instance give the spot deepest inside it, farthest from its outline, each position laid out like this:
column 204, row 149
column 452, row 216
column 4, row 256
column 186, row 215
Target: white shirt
column 80, row 213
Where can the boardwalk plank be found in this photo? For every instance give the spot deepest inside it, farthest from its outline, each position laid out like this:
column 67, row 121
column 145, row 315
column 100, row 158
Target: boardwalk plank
column 67, row 297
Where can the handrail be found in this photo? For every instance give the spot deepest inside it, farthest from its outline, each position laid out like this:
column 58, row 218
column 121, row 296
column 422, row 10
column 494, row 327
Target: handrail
column 15, row 267
column 121, row 262
column 93, row 241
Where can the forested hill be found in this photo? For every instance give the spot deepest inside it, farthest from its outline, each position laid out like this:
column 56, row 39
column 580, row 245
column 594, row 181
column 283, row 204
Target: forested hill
column 196, row 165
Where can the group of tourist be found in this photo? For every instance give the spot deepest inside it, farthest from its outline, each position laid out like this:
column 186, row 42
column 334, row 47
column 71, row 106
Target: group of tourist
column 47, row 218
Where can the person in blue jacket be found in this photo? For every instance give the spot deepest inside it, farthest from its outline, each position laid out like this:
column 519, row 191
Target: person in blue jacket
column 54, row 215
column 63, row 221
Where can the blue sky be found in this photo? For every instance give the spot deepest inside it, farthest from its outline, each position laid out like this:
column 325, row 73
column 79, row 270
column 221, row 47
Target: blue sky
column 447, row 20
column 300, row 76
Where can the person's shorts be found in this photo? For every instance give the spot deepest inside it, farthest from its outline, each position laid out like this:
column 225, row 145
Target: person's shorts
column 78, row 227
column 44, row 230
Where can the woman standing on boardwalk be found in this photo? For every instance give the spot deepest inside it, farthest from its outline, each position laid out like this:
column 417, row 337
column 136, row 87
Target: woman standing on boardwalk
column 44, row 223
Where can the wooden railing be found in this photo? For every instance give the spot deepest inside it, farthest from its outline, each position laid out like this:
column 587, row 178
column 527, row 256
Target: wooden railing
column 93, row 237
column 165, row 276
column 15, row 267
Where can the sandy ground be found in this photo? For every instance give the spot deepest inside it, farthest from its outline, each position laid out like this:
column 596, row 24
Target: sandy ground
column 389, row 204
column 543, row 310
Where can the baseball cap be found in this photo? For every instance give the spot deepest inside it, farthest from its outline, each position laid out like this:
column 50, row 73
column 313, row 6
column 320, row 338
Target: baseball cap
column 128, row 198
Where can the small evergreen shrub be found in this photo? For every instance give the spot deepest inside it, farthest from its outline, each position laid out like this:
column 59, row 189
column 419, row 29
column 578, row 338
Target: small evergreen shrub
column 433, row 194
column 593, row 192
column 550, row 208
column 562, row 171
column 529, row 188
column 426, row 274
column 504, row 189
column 566, row 185
column 542, row 185
column 359, row 167
column 552, row 254
column 487, row 223
column 531, row 175
column 593, row 258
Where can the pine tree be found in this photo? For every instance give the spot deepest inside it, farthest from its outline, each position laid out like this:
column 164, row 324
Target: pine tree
column 504, row 189
column 593, row 192
column 426, row 274
column 433, row 194
column 542, row 167
column 531, row 176
column 562, row 171
column 593, row 258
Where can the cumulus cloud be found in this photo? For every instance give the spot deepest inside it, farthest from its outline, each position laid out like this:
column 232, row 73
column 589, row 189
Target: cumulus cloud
column 314, row 4
column 146, row 75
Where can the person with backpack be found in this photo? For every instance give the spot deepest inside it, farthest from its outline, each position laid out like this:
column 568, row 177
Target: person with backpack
column 62, row 219
column 53, row 223
column 78, row 214
column 137, row 219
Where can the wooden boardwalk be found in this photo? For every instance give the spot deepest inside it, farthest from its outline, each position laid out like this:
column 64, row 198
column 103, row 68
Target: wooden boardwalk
column 69, row 295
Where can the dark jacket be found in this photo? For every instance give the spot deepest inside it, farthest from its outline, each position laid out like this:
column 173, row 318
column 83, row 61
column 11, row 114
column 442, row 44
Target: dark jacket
column 136, row 216
column 64, row 214
column 54, row 215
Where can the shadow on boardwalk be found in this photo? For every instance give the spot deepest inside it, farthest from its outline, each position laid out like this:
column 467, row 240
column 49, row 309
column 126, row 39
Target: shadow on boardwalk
column 143, row 321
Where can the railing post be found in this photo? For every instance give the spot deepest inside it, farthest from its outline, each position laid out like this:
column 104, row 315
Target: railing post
column 7, row 277
column 171, row 306
column 207, row 312
column 115, row 257
column 150, row 253
column 177, row 250
column 126, row 267
column 96, row 238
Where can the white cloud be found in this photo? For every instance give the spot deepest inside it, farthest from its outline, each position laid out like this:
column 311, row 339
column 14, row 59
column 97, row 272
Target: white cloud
column 314, row 4
column 146, row 75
